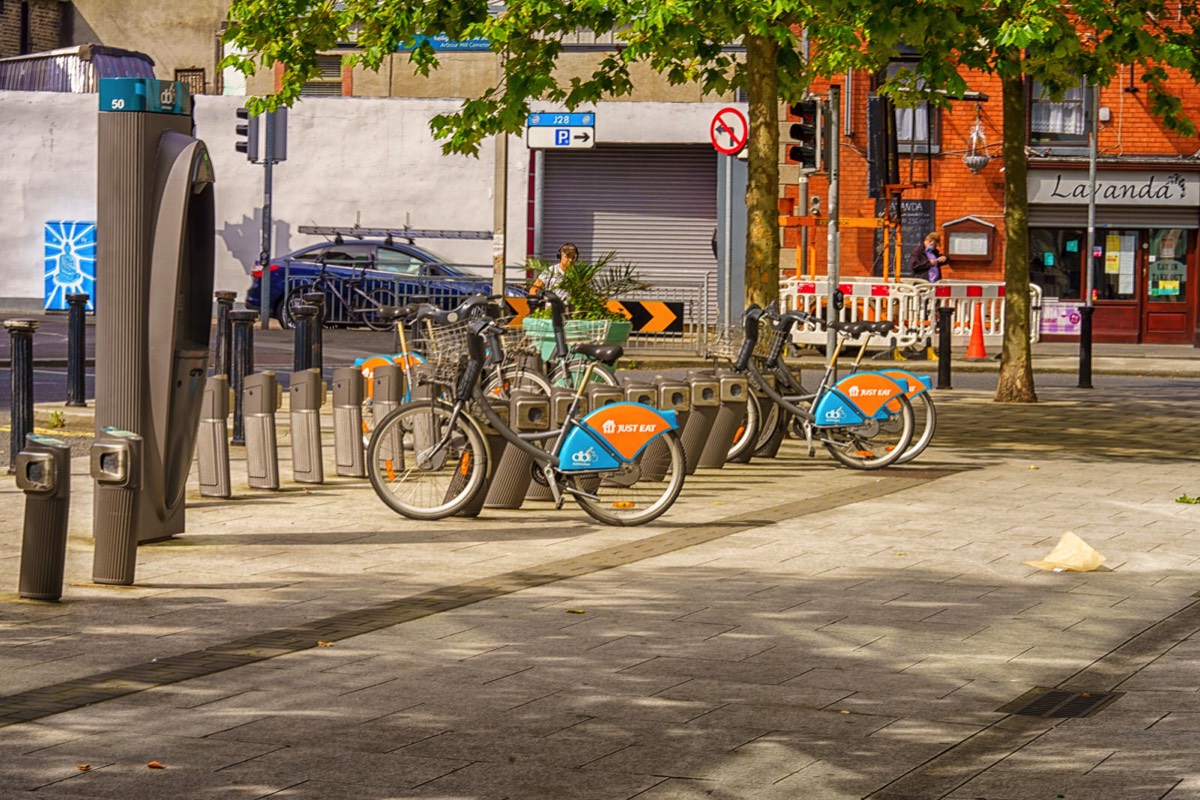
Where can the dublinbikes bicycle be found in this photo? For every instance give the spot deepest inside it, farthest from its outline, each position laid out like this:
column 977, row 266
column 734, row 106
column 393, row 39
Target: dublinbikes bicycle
column 924, row 411
column 864, row 420
column 622, row 463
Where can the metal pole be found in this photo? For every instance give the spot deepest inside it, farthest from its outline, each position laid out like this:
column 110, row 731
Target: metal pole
column 242, row 365
column 945, row 322
column 802, row 208
column 224, row 340
column 21, row 331
column 499, row 213
column 1085, row 329
column 832, row 255
column 264, row 256
column 76, row 349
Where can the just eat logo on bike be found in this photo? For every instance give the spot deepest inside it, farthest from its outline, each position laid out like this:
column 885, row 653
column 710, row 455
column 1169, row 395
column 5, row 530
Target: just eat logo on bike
column 627, row 426
column 869, row 391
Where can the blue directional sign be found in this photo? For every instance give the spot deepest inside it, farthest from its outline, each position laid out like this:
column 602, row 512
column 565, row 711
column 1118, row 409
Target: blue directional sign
column 561, row 120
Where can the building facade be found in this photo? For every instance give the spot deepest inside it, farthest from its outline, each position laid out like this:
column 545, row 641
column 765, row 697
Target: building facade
column 1144, row 261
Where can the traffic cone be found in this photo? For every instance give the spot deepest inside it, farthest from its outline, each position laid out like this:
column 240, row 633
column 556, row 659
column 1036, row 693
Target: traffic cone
column 975, row 350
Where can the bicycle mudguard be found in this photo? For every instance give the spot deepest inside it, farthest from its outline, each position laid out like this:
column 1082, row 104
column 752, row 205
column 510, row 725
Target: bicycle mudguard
column 916, row 383
column 856, row 398
column 626, row 428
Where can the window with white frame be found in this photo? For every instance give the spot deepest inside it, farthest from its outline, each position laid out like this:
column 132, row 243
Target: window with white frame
column 917, row 127
column 1058, row 122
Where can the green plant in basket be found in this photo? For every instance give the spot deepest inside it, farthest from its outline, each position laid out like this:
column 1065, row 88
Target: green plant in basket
column 587, row 286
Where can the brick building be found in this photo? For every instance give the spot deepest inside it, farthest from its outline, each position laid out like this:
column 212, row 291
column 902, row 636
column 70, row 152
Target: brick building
column 1147, row 217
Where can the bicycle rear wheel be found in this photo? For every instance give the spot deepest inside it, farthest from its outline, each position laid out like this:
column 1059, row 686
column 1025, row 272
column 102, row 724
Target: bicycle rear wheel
column 925, row 423
column 570, row 374
column 415, row 476
column 376, row 299
column 875, row 443
column 633, row 494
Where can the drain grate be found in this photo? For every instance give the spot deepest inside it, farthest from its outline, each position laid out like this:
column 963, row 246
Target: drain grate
column 1043, row 702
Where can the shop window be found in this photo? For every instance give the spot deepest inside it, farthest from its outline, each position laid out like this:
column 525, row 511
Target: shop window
column 1062, row 122
column 1054, row 261
column 1115, row 273
column 917, row 127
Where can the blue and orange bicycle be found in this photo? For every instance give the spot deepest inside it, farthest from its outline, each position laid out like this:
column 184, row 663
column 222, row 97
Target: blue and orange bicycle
column 622, row 463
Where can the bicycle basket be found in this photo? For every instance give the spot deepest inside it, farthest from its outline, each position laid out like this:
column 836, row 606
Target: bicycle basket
column 445, row 350
column 580, row 330
column 726, row 342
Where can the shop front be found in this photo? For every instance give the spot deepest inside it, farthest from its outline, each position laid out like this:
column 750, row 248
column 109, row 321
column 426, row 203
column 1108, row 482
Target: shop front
column 1144, row 259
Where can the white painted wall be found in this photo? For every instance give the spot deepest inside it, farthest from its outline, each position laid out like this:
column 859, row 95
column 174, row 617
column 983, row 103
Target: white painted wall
column 367, row 159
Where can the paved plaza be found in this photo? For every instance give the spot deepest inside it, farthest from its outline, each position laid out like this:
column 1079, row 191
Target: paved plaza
column 790, row 629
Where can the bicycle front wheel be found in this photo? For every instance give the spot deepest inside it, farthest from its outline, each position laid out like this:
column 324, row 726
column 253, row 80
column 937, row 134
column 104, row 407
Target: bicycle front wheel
column 637, row 492
column 747, row 432
column 874, row 444
column 426, row 464
column 925, row 421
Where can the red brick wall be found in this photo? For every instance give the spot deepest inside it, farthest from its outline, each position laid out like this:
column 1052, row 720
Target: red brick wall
column 1131, row 134
column 45, row 26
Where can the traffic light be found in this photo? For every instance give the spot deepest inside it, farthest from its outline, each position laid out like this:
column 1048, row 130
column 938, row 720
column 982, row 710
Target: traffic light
column 806, row 135
column 249, row 129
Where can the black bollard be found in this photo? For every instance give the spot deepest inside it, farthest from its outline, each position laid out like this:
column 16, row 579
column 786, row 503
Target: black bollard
column 241, row 365
column 21, row 331
column 224, row 345
column 1085, row 347
column 945, row 324
column 76, row 349
column 305, row 317
column 317, row 339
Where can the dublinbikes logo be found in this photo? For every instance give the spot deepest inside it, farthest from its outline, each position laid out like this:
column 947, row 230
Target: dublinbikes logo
column 584, row 456
column 167, row 95
column 838, row 414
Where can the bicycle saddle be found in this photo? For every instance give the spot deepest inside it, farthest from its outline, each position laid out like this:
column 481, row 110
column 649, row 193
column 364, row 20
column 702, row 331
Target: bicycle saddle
column 606, row 354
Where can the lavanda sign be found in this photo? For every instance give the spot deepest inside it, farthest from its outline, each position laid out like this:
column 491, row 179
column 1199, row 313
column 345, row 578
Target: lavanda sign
column 1172, row 189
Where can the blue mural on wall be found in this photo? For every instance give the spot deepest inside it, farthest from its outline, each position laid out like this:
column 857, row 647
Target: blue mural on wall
column 70, row 263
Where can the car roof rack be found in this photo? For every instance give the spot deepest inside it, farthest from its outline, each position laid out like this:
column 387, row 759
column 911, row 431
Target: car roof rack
column 390, row 234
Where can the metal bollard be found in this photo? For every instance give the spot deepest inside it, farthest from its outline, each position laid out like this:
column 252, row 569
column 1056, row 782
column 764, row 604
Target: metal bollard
column 600, row 394
column 561, row 399
column 734, row 393
column 116, row 466
column 305, row 317
column 387, row 392
column 241, row 367
column 945, row 324
column 349, row 454
column 21, row 332
column 44, row 474
column 706, row 403
column 306, row 392
column 528, row 412
column 497, row 447
column 316, row 338
column 212, row 441
column 673, row 395
column 77, row 349
column 1085, row 347
column 261, row 399
column 224, row 345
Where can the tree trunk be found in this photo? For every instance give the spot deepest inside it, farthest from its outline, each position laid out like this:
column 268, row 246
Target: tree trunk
column 1016, row 368
column 762, row 186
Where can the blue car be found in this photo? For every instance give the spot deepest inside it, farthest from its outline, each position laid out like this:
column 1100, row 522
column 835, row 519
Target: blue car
column 359, row 277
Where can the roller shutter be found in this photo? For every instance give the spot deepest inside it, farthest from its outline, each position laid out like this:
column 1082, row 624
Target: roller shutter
column 1048, row 215
column 654, row 205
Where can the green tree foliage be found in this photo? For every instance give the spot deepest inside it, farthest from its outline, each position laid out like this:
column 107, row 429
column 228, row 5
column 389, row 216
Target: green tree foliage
column 1051, row 42
column 685, row 40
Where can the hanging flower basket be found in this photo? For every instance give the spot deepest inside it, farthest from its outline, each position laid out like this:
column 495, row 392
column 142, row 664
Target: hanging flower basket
column 976, row 162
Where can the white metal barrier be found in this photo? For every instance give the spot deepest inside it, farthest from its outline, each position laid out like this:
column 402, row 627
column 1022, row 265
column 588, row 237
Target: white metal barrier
column 911, row 305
